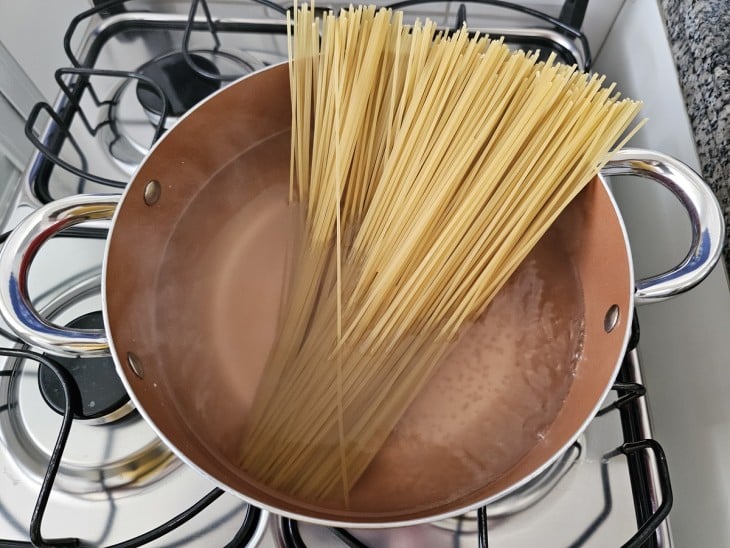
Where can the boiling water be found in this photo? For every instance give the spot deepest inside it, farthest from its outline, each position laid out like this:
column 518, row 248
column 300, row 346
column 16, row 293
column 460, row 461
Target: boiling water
column 489, row 403
column 496, row 394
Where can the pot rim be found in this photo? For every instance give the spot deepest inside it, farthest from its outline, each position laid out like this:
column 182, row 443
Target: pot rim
column 328, row 522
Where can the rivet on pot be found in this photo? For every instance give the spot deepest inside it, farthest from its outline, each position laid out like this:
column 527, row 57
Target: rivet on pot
column 610, row 320
column 152, row 191
column 135, row 364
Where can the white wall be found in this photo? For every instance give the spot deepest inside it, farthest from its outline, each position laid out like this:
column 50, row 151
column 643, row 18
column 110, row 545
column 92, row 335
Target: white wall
column 32, row 30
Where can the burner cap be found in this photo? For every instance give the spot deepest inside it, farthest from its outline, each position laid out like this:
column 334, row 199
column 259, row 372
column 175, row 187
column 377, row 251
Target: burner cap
column 102, row 392
column 182, row 85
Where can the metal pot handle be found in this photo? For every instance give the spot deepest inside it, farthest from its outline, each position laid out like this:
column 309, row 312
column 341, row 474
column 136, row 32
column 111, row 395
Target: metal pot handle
column 15, row 260
column 21, row 246
column 708, row 225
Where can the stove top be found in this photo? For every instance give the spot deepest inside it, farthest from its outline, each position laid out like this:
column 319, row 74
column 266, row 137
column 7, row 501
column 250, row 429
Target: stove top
column 94, row 473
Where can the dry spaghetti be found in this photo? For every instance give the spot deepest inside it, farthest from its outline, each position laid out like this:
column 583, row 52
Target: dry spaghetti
column 428, row 166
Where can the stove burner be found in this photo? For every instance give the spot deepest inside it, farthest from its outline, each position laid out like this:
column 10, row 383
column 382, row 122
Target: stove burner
column 103, row 454
column 102, row 392
column 183, row 87
column 131, row 112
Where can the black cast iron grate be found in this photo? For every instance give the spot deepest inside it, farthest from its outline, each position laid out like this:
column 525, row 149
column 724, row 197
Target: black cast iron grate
column 648, row 519
column 49, row 128
column 71, row 408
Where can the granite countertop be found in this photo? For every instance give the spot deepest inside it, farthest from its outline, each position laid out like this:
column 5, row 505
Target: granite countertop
column 699, row 33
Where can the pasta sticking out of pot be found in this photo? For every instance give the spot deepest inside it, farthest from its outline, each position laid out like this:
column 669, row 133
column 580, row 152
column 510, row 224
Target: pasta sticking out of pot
column 427, row 167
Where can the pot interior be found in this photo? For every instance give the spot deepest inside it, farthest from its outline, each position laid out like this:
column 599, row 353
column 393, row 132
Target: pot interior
column 194, row 287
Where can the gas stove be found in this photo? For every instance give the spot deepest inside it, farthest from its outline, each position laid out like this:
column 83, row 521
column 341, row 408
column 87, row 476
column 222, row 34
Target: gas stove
column 78, row 464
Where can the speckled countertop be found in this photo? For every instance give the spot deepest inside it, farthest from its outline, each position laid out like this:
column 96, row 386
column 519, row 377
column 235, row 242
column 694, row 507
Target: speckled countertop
column 699, row 32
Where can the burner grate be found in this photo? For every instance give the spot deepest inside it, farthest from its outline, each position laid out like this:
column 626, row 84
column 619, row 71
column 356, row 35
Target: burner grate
column 71, row 407
column 57, row 132
column 57, row 137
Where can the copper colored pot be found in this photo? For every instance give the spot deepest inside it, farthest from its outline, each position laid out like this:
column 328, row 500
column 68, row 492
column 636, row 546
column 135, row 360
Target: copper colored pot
column 187, row 340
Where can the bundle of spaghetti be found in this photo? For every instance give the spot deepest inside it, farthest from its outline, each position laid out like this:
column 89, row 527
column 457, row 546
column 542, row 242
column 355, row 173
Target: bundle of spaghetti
column 427, row 166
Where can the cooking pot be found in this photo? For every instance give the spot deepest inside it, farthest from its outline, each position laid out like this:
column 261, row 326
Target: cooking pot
column 192, row 224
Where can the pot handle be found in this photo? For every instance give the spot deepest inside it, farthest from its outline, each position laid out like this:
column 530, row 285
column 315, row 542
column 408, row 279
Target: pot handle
column 705, row 215
column 708, row 225
column 15, row 259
